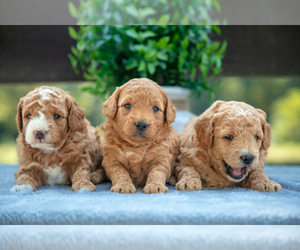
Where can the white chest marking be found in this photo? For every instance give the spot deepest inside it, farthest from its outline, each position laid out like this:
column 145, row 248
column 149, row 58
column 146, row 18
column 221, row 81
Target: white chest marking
column 241, row 111
column 54, row 175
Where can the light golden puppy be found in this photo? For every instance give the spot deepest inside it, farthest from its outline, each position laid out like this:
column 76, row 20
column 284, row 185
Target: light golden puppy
column 140, row 146
column 56, row 144
column 226, row 146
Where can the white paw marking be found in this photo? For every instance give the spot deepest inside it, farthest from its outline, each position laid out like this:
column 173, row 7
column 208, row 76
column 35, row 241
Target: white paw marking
column 21, row 188
column 84, row 189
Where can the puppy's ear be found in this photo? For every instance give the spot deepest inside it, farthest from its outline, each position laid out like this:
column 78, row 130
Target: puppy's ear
column 205, row 123
column 19, row 118
column 170, row 110
column 110, row 106
column 266, row 130
column 76, row 115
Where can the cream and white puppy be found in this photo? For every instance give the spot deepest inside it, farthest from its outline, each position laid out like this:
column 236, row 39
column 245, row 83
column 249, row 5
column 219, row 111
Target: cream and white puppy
column 56, row 144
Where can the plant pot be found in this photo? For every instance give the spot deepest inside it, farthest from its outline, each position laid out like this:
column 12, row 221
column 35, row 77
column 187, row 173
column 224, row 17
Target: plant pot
column 180, row 98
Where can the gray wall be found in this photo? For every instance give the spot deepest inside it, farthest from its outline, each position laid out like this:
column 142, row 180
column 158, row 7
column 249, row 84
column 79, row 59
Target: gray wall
column 255, row 12
column 40, row 53
column 18, row 12
column 35, row 12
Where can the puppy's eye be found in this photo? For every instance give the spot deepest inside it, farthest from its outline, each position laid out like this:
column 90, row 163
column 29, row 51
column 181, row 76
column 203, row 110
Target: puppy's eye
column 155, row 109
column 229, row 137
column 127, row 105
column 28, row 116
column 256, row 138
column 56, row 116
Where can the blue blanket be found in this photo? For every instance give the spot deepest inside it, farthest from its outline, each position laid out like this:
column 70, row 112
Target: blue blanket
column 58, row 205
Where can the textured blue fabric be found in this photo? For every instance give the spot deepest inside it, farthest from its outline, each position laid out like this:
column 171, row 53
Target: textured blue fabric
column 58, row 205
column 150, row 237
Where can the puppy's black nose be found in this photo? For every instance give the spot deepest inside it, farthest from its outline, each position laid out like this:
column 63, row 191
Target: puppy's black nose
column 39, row 134
column 141, row 125
column 247, row 159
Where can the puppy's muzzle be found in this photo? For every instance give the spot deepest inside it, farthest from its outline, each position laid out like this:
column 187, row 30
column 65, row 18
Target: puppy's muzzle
column 141, row 126
column 38, row 134
column 247, row 159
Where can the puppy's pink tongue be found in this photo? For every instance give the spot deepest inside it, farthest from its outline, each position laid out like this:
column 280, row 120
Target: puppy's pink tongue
column 237, row 171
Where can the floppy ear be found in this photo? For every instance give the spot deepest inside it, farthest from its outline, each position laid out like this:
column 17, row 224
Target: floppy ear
column 204, row 125
column 19, row 118
column 76, row 115
column 266, row 130
column 110, row 106
column 170, row 110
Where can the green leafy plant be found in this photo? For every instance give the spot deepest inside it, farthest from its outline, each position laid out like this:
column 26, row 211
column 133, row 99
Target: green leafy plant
column 160, row 12
column 183, row 56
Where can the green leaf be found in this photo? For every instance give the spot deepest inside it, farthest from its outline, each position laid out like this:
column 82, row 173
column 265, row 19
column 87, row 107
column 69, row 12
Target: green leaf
column 151, row 68
column 132, row 63
column 193, row 72
column 74, row 63
column 150, row 54
column 213, row 46
column 223, row 47
column 185, row 20
column 162, row 43
column 81, row 45
column 162, row 56
column 147, row 11
column 72, row 10
column 140, row 48
column 88, row 76
column 98, row 44
column 204, row 70
column 72, row 33
column 163, row 65
column 216, row 29
column 185, row 43
column 142, row 66
column 131, row 10
column 216, row 4
column 75, row 52
column 163, row 20
column 132, row 33
column 146, row 34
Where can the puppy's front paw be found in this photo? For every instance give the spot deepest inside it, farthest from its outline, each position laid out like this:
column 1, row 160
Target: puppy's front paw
column 97, row 177
column 192, row 184
column 124, row 188
column 266, row 186
column 155, row 188
column 83, row 186
column 172, row 180
column 21, row 188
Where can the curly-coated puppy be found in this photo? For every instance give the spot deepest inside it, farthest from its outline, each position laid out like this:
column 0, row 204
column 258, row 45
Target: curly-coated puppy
column 140, row 146
column 56, row 144
column 226, row 146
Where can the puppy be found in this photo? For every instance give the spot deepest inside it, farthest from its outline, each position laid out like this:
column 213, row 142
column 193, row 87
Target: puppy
column 226, row 146
column 56, row 144
column 140, row 146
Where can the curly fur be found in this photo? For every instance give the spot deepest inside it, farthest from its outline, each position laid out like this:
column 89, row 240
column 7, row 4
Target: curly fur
column 133, row 158
column 71, row 148
column 207, row 149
